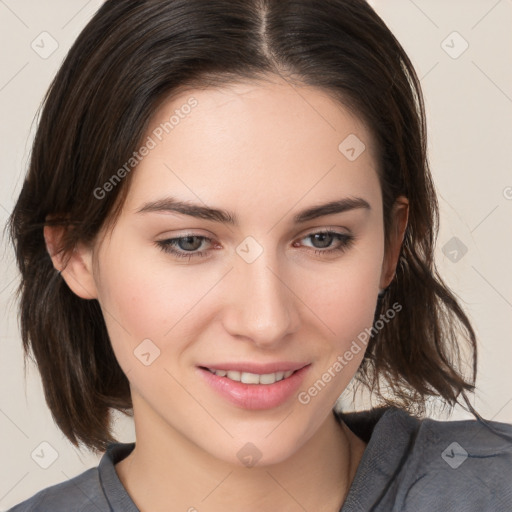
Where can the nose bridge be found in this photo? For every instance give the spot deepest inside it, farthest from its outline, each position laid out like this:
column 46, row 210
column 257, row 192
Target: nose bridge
column 262, row 306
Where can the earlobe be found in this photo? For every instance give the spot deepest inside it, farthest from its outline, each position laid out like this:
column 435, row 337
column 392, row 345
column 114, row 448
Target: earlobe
column 75, row 268
column 400, row 216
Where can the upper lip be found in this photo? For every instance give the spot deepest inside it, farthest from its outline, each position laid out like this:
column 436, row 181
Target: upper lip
column 261, row 369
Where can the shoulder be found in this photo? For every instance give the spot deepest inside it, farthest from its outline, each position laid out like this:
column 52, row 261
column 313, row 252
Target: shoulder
column 82, row 493
column 417, row 464
column 459, row 465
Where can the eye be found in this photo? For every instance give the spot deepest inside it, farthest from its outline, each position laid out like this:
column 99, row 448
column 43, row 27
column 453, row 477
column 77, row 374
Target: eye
column 323, row 241
column 184, row 246
column 188, row 246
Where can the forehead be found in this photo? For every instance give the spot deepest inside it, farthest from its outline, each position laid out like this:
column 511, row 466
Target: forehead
column 254, row 139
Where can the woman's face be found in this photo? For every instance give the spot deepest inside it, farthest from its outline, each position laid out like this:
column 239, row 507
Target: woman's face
column 258, row 288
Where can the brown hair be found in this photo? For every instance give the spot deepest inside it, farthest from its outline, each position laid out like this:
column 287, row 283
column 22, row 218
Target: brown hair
column 133, row 55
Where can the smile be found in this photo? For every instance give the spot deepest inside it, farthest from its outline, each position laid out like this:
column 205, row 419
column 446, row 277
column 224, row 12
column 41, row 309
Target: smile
column 274, row 385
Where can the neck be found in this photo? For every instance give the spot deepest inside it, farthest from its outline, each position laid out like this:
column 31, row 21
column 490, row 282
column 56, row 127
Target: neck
column 170, row 469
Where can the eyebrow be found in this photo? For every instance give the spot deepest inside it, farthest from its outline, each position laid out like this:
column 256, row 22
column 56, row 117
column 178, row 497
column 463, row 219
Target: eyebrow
column 172, row 205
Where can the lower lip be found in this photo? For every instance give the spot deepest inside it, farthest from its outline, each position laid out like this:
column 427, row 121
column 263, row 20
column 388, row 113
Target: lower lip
column 256, row 396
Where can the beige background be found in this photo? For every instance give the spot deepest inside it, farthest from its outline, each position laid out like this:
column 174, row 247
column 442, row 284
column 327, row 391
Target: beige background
column 469, row 107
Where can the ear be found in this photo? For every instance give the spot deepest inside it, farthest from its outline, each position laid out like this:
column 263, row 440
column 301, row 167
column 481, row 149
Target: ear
column 76, row 268
column 399, row 218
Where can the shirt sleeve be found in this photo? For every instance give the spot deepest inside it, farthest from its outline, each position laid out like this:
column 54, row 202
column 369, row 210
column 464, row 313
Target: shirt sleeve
column 461, row 466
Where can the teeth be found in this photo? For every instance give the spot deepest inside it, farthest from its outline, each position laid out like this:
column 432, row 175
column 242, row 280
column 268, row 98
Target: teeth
column 252, row 378
column 249, row 378
column 233, row 375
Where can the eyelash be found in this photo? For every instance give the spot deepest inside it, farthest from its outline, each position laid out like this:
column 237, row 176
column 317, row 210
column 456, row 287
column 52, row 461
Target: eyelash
column 167, row 246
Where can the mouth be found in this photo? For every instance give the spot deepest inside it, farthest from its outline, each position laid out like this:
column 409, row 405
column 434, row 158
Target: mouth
column 265, row 387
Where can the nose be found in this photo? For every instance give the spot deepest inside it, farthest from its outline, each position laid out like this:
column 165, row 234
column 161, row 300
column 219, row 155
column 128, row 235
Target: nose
column 262, row 306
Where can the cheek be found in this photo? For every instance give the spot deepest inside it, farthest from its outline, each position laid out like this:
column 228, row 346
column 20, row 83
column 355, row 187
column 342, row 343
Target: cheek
column 345, row 315
column 155, row 301
column 344, row 295
column 349, row 316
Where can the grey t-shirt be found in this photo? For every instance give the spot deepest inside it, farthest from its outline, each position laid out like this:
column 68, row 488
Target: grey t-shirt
column 408, row 465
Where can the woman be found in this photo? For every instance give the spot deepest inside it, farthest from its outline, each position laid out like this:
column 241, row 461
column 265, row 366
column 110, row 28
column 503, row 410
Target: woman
column 228, row 216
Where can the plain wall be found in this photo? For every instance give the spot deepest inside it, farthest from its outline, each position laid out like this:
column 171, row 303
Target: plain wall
column 469, row 107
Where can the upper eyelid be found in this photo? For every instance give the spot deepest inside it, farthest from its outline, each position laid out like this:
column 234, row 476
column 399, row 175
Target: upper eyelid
column 327, row 229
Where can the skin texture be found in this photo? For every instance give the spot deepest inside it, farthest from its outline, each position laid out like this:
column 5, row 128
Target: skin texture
column 265, row 151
